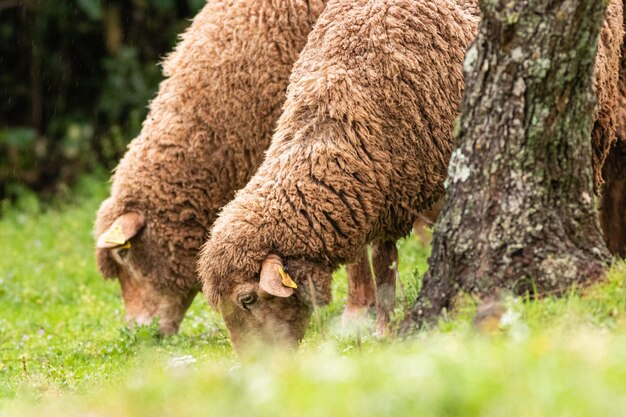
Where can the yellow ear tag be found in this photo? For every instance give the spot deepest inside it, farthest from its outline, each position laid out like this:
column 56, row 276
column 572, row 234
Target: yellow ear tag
column 115, row 235
column 287, row 281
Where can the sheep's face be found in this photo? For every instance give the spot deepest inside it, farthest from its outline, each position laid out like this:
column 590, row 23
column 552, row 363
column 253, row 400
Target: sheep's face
column 273, row 307
column 123, row 251
column 255, row 317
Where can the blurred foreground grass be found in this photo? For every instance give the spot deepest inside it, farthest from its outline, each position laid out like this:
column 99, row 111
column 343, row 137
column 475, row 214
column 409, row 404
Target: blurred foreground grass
column 65, row 349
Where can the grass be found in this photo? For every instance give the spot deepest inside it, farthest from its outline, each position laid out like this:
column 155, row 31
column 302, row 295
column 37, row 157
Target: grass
column 65, row 349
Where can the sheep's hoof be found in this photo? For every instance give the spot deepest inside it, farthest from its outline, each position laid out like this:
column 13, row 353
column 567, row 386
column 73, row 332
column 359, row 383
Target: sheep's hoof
column 355, row 318
column 382, row 327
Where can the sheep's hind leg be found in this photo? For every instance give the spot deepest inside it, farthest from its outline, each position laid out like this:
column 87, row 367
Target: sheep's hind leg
column 385, row 260
column 613, row 200
column 361, row 291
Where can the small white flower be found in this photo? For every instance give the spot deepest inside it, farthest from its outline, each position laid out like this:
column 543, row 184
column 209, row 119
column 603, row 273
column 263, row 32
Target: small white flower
column 181, row 361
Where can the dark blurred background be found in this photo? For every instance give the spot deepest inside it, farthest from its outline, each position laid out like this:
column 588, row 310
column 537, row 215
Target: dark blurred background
column 75, row 80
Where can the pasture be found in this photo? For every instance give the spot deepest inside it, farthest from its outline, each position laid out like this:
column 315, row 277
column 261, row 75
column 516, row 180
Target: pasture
column 65, row 349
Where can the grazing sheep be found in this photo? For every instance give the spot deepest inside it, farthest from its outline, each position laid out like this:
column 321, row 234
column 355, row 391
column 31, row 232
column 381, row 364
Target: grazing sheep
column 613, row 200
column 203, row 139
column 361, row 148
column 607, row 89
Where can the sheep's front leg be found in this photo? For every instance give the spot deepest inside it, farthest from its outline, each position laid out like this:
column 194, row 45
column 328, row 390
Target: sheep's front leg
column 427, row 219
column 385, row 260
column 361, row 290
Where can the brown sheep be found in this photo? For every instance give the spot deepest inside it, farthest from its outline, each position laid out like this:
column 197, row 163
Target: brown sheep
column 375, row 79
column 362, row 147
column 613, row 201
column 203, row 139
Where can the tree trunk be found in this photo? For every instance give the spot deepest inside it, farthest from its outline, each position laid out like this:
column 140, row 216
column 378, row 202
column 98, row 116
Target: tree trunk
column 520, row 211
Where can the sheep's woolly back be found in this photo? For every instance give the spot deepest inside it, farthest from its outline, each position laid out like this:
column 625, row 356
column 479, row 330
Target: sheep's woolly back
column 362, row 145
column 365, row 137
column 607, row 73
column 208, row 126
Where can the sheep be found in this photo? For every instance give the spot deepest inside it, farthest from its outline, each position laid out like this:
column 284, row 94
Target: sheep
column 613, row 199
column 375, row 78
column 361, row 147
column 203, row 139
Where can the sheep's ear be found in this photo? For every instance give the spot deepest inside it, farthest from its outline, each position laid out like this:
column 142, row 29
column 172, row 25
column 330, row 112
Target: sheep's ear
column 121, row 231
column 274, row 280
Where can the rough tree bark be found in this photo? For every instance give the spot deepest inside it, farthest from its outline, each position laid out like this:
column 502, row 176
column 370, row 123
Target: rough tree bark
column 520, row 210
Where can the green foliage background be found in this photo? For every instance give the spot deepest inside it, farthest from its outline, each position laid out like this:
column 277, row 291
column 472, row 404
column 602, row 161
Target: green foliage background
column 75, row 80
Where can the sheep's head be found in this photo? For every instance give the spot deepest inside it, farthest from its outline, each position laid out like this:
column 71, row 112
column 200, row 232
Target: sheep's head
column 270, row 301
column 125, row 251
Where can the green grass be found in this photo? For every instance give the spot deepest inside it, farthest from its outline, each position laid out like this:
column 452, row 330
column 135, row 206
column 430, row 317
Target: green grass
column 65, row 350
